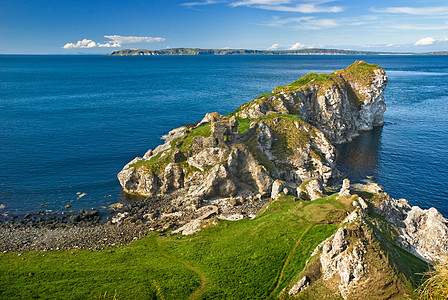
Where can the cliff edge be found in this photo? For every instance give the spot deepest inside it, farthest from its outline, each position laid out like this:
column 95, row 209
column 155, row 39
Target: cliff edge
column 340, row 104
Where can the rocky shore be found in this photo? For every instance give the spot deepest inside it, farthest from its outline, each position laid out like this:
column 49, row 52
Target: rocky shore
column 90, row 229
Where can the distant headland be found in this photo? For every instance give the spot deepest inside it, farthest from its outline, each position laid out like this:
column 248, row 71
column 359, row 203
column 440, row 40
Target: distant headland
column 311, row 51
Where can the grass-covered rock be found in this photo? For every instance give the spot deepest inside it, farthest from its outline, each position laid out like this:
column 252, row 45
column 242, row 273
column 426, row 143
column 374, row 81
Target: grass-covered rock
column 339, row 104
column 226, row 157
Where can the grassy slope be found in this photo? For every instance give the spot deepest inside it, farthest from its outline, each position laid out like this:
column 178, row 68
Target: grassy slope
column 233, row 260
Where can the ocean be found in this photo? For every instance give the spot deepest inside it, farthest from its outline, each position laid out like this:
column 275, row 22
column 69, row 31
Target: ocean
column 70, row 123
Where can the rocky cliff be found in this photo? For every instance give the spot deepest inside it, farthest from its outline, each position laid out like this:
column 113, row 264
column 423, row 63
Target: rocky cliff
column 220, row 159
column 278, row 143
column 361, row 260
column 340, row 104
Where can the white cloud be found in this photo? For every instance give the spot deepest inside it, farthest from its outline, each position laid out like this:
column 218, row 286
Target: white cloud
column 109, row 45
column 297, row 46
column 274, row 47
column 421, row 11
column 288, row 6
column 310, row 23
column 429, row 41
column 425, row 41
column 310, row 6
column 85, row 43
column 115, row 41
column 207, row 2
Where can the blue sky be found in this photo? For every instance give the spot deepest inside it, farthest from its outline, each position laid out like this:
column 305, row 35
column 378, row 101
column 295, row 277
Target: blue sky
column 89, row 26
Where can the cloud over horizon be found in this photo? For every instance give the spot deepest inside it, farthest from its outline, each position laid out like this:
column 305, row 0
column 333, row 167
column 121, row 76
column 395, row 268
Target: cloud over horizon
column 115, row 41
column 295, row 46
column 429, row 41
column 288, row 6
column 85, row 43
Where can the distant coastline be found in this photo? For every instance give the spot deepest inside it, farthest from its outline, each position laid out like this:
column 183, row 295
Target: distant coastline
column 313, row 51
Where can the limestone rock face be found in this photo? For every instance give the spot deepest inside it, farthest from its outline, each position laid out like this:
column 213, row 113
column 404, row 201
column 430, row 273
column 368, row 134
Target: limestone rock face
column 359, row 261
column 213, row 160
column 299, row 286
column 277, row 188
column 228, row 161
column 424, row 233
column 340, row 104
column 311, row 190
column 138, row 180
column 338, row 258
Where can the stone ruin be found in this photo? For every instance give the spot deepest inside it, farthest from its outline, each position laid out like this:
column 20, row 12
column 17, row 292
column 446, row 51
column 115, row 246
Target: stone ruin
column 224, row 132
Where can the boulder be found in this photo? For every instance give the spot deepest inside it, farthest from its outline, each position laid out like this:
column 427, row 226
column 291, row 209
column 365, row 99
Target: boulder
column 311, row 190
column 277, row 188
column 345, row 189
column 302, row 284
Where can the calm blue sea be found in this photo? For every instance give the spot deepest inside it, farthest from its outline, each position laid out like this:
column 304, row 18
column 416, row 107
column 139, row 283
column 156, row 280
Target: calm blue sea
column 70, row 123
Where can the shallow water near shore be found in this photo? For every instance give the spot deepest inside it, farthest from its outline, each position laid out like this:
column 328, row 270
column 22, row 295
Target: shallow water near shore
column 70, row 123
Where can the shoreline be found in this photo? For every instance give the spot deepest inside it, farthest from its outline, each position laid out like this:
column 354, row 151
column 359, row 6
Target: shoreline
column 90, row 229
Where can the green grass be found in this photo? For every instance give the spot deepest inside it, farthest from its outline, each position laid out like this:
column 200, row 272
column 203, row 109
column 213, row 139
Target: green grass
column 287, row 136
column 359, row 71
column 155, row 163
column 162, row 159
column 136, row 271
column 243, row 124
column 265, row 95
column 202, row 130
column 435, row 286
column 232, row 260
column 306, row 81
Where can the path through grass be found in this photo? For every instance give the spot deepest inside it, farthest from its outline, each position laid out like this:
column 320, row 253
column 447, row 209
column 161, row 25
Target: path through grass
column 232, row 260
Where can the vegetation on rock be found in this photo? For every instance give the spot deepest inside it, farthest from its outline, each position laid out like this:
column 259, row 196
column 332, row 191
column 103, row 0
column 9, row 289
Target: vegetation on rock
column 435, row 287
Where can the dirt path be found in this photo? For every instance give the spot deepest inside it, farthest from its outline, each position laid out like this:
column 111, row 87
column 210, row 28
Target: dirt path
column 200, row 290
column 288, row 259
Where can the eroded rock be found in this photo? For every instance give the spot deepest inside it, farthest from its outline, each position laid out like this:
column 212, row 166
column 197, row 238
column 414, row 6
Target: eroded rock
column 311, row 190
column 422, row 232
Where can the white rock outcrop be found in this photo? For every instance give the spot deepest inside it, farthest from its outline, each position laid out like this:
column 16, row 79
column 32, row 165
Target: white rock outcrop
column 338, row 258
column 302, row 284
column 345, row 189
column 422, row 232
column 311, row 190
